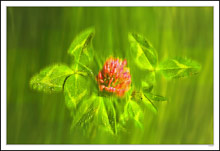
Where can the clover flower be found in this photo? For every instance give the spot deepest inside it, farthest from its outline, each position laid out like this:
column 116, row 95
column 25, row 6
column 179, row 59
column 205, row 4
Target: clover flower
column 115, row 77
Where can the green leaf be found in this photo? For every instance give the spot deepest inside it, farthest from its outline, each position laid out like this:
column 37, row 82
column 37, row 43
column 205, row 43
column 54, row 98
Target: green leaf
column 110, row 109
column 133, row 111
column 147, row 86
column 81, row 47
column 154, row 97
column 143, row 53
column 85, row 112
column 179, row 68
column 102, row 117
column 148, row 81
column 76, row 88
column 140, row 98
column 149, row 105
column 93, row 112
column 51, row 79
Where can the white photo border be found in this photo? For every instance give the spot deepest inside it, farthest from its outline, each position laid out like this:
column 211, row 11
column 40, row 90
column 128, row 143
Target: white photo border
column 5, row 4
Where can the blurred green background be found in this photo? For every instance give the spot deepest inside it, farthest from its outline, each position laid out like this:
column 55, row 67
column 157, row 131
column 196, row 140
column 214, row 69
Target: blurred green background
column 40, row 36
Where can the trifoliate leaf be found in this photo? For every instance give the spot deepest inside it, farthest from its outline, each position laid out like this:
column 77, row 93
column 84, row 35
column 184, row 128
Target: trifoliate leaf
column 85, row 112
column 102, row 117
column 179, row 68
column 110, row 109
column 133, row 111
column 81, row 47
column 146, row 86
column 148, row 81
column 51, row 79
column 93, row 111
column 76, row 88
column 154, row 97
column 149, row 105
column 141, row 99
column 143, row 53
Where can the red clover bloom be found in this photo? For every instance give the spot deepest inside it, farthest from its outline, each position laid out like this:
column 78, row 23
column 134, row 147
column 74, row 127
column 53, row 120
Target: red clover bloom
column 115, row 77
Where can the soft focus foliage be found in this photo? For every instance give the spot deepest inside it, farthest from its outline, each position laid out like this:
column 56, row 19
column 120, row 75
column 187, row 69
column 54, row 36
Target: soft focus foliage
column 51, row 78
column 114, row 80
column 38, row 37
column 81, row 48
column 76, row 88
column 179, row 68
column 144, row 54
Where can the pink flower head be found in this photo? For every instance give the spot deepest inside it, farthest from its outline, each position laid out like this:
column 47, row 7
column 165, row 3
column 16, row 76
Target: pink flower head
column 115, row 77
